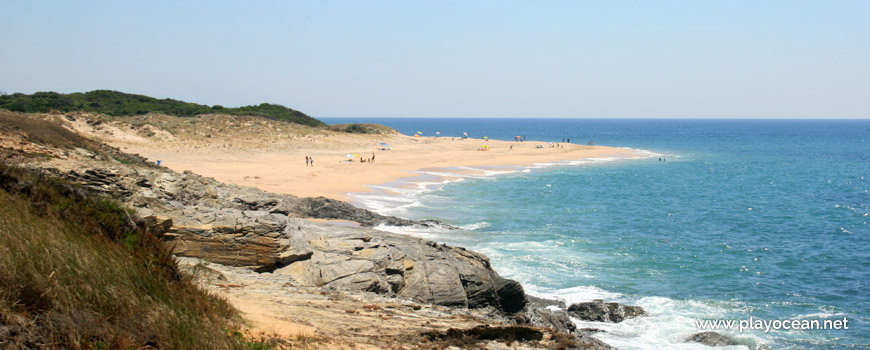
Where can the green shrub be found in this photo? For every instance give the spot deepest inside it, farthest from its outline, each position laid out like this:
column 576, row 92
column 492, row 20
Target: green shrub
column 356, row 129
column 118, row 104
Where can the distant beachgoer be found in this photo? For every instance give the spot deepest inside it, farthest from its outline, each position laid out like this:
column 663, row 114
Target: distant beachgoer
column 373, row 157
column 660, row 159
column 306, row 160
column 569, row 140
column 512, row 148
column 312, row 160
column 563, row 139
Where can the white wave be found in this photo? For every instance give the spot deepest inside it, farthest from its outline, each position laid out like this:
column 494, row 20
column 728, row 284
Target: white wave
column 822, row 315
column 437, row 234
column 475, row 226
column 443, row 174
column 572, row 295
column 666, row 325
column 391, row 207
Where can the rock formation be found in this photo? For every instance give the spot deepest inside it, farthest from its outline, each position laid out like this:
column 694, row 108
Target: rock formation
column 599, row 311
column 712, row 339
column 240, row 226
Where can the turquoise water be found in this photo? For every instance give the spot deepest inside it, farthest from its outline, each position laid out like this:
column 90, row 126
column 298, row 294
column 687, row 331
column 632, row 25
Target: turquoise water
column 761, row 218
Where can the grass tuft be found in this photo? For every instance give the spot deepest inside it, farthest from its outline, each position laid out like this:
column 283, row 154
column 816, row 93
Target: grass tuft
column 78, row 271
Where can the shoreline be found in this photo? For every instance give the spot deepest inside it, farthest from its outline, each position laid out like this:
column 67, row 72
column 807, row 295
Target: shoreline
column 271, row 155
column 404, row 189
column 333, row 178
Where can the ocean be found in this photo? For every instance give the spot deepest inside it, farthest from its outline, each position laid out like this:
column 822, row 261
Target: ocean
column 761, row 219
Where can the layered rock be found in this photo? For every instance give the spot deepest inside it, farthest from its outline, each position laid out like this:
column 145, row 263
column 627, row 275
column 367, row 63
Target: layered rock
column 239, row 226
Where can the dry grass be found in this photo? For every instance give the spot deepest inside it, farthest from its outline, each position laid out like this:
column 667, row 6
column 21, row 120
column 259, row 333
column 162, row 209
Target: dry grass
column 42, row 132
column 76, row 272
column 52, row 135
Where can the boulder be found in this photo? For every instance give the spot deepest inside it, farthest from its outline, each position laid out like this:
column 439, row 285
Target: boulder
column 712, row 339
column 537, row 313
column 327, row 208
column 599, row 311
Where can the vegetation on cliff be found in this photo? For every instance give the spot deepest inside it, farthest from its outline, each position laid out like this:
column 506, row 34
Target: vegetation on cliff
column 118, row 104
column 78, row 271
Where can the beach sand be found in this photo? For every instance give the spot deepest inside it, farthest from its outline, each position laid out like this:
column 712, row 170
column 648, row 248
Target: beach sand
column 271, row 155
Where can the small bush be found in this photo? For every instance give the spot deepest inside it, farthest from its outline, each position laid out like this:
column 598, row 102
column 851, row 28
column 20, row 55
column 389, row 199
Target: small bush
column 356, row 129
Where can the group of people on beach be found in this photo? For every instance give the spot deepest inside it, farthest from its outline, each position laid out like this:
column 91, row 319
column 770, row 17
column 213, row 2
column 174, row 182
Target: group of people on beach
column 361, row 160
column 309, row 161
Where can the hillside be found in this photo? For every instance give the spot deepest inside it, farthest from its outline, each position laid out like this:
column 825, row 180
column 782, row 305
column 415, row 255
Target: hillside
column 108, row 281
column 119, row 104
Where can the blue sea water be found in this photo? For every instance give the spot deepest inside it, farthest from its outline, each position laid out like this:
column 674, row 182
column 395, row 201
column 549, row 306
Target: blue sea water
column 745, row 218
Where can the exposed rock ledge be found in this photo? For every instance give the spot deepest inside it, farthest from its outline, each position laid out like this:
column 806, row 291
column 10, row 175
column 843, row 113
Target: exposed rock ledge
column 246, row 227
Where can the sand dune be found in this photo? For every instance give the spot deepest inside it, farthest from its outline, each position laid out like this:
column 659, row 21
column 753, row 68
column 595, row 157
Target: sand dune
column 271, row 155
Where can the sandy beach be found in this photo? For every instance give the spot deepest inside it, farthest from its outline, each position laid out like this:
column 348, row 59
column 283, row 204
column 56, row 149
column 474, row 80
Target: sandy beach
column 271, row 155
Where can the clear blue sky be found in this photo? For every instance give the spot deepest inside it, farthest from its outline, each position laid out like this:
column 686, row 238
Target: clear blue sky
column 680, row 59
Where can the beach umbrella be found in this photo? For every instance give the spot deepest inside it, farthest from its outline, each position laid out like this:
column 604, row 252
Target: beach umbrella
column 486, row 138
column 384, row 144
column 420, row 132
column 465, row 133
column 485, row 146
column 516, row 137
column 416, row 135
column 437, row 133
column 349, row 155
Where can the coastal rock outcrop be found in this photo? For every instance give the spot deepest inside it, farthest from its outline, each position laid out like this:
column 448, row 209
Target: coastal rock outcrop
column 246, row 227
column 551, row 314
column 712, row 339
column 326, row 208
column 599, row 311
column 400, row 265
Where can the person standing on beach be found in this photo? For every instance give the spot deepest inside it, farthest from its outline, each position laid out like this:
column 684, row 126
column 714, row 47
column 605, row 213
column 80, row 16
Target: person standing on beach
column 373, row 157
column 306, row 160
column 312, row 160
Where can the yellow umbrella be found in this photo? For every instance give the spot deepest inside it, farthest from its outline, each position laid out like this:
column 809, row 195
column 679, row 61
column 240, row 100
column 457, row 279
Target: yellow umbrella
column 485, row 146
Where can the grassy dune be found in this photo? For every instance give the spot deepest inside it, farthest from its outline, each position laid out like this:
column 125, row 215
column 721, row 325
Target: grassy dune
column 76, row 271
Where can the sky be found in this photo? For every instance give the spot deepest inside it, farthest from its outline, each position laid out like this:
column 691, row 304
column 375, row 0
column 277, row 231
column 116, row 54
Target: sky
column 512, row 59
